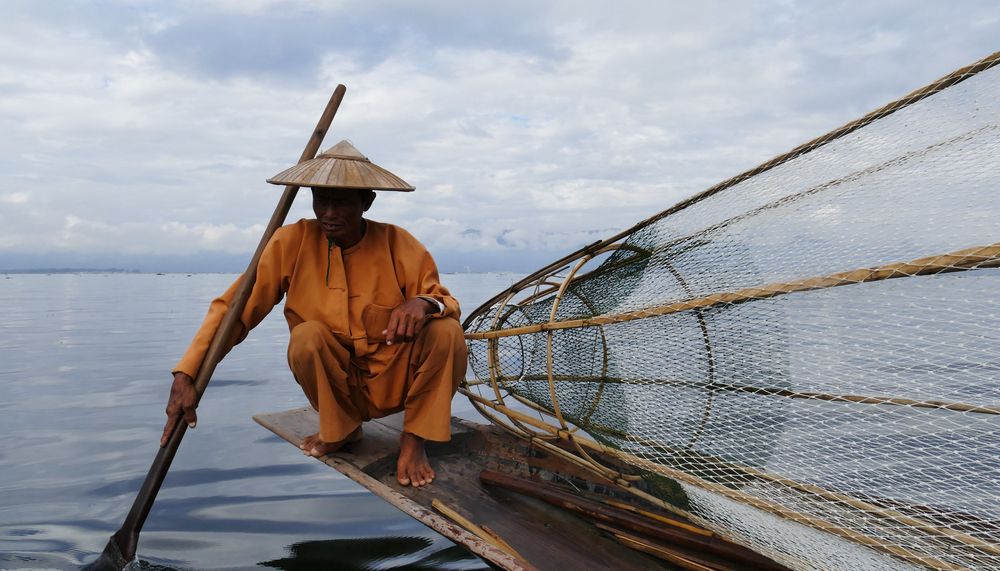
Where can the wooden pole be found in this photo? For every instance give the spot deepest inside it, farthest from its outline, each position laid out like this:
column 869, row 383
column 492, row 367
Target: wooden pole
column 766, row 391
column 484, row 533
column 683, row 560
column 121, row 548
column 608, row 514
column 960, row 260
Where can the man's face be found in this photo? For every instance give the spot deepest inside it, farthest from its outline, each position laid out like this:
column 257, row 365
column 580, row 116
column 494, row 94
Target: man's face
column 339, row 214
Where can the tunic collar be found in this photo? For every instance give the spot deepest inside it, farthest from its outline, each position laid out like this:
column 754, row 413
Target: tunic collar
column 364, row 236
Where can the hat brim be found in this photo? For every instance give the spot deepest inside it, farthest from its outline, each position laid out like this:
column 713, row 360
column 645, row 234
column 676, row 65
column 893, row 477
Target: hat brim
column 327, row 171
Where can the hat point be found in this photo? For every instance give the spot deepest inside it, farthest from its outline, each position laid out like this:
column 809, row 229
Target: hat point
column 344, row 150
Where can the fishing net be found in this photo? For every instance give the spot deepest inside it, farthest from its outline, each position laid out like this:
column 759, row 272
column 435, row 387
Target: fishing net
column 804, row 358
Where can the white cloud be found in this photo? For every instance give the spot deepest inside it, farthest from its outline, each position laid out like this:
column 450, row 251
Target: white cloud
column 522, row 129
column 15, row 198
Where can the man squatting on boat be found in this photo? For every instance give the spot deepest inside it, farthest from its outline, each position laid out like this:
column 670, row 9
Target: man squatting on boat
column 372, row 330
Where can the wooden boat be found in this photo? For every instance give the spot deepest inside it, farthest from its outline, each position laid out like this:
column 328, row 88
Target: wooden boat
column 510, row 529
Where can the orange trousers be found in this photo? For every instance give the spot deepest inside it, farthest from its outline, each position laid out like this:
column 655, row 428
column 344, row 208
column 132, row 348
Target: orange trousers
column 420, row 379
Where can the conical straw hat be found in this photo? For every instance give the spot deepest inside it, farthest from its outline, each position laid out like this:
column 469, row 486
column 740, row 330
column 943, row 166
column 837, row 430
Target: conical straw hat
column 341, row 166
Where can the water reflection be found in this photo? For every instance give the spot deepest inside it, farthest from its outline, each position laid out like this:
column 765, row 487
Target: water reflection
column 84, row 374
column 374, row 553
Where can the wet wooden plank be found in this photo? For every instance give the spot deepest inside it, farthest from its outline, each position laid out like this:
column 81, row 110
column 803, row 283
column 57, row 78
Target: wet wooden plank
column 547, row 537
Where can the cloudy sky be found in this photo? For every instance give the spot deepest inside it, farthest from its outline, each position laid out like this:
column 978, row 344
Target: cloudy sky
column 138, row 134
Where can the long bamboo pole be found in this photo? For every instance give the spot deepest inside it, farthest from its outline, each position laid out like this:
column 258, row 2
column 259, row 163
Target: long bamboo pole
column 768, row 391
column 960, row 260
column 121, row 547
column 683, row 560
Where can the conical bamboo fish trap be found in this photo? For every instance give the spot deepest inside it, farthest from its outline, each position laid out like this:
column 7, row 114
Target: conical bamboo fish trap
column 804, row 358
column 341, row 166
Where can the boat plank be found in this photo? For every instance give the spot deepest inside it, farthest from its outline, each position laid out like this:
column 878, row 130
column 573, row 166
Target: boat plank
column 547, row 537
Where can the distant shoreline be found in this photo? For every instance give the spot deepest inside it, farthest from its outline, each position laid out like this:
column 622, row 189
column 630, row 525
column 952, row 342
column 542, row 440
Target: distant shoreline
column 72, row 271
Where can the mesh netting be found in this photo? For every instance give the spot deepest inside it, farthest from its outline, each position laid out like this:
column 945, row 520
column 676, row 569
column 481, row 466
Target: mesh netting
column 804, row 358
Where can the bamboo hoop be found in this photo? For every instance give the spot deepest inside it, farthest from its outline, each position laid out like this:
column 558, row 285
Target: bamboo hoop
column 549, row 362
column 493, row 358
column 709, row 356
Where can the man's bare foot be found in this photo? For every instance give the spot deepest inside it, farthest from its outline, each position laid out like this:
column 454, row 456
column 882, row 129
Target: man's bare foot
column 413, row 469
column 312, row 446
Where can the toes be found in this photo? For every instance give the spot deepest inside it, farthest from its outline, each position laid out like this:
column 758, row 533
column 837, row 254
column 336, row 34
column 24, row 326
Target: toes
column 417, row 476
column 308, row 442
column 407, row 476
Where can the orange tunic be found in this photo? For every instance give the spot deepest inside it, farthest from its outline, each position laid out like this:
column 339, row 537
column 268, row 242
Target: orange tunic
column 351, row 291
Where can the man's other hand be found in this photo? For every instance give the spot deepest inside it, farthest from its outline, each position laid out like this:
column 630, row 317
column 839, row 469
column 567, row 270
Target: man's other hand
column 181, row 403
column 407, row 320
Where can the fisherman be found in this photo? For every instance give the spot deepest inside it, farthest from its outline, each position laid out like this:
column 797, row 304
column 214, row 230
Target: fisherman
column 372, row 330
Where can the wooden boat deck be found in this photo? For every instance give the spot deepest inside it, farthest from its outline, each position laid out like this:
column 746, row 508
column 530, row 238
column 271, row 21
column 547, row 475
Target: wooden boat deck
column 545, row 536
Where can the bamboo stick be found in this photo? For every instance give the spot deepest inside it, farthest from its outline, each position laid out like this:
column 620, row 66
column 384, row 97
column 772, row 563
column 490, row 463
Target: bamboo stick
column 486, row 529
column 658, row 550
column 857, row 399
column 960, row 260
column 488, row 537
column 596, row 510
column 658, row 517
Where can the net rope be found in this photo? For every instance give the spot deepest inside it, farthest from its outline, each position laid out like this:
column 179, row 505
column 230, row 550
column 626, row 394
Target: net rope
column 804, row 358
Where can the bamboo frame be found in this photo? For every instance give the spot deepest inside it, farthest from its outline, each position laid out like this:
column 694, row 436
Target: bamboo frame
column 615, row 474
column 773, row 391
column 813, row 490
column 785, row 200
column 960, row 260
column 543, row 434
column 741, row 497
column 966, row 259
column 493, row 360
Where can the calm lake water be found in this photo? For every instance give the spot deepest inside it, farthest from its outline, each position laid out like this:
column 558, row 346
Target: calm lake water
column 85, row 365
